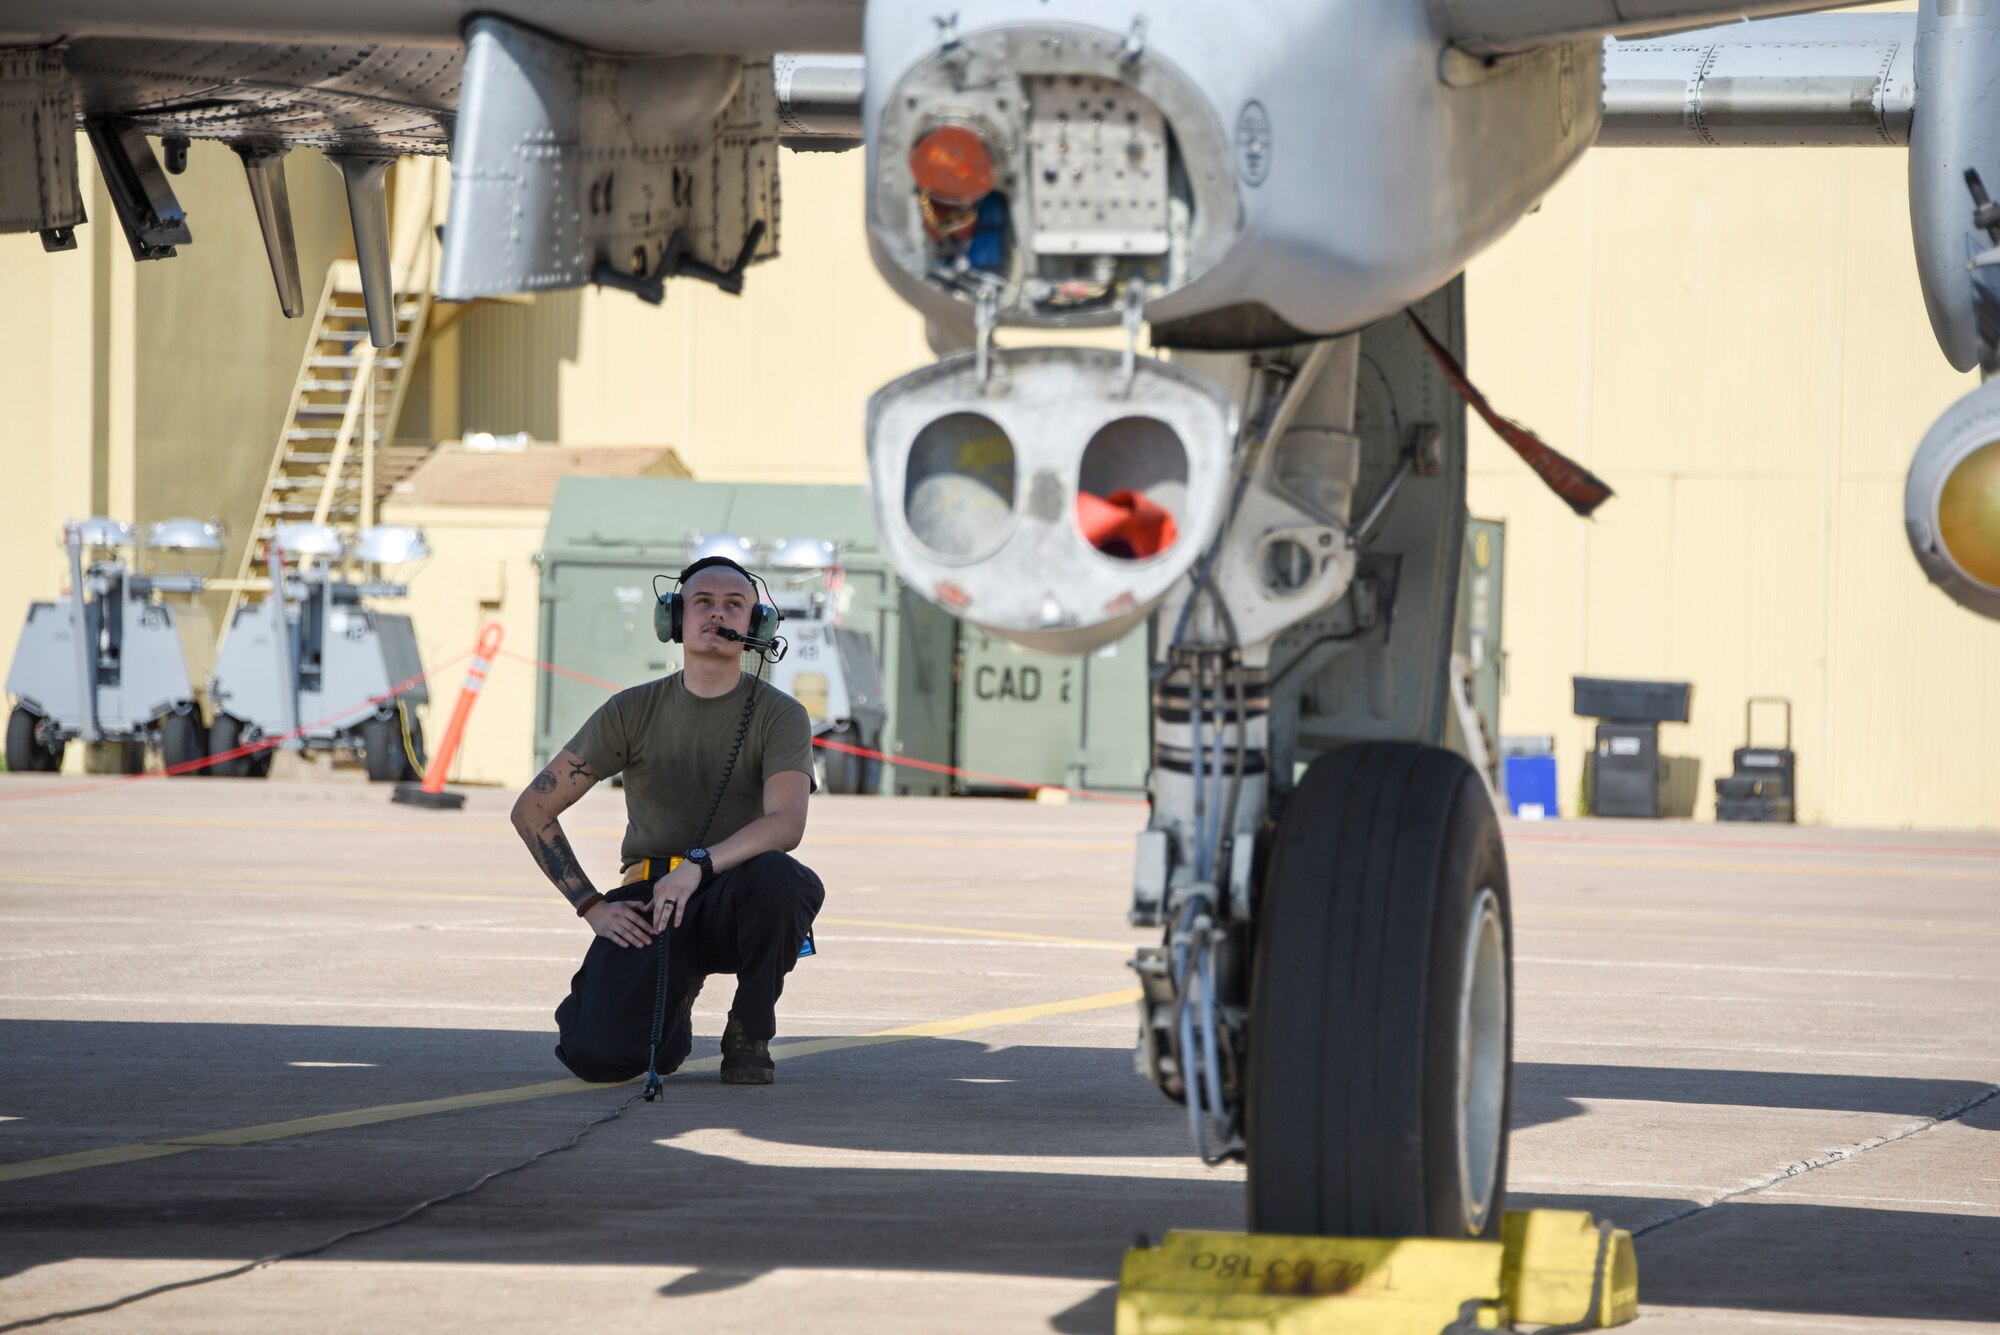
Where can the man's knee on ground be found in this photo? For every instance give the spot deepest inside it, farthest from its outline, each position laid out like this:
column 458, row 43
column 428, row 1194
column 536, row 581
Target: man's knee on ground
column 590, row 1058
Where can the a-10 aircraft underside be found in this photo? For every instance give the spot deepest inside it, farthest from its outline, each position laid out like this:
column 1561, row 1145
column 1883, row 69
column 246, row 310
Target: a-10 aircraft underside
column 1282, row 494
column 317, row 95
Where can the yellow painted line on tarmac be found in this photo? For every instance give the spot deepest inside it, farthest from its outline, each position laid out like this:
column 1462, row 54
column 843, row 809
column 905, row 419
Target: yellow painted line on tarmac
column 1758, row 868
column 397, row 1112
column 1098, row 942
column 1044, row 1010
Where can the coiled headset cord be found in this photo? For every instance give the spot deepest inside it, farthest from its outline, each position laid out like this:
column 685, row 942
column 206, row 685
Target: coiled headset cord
column 654, row 1086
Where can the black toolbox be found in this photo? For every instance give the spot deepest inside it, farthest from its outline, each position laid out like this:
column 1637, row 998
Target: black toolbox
column 1765, row 784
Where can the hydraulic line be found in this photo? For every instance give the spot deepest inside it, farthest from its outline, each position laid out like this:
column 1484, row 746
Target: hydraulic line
column 1191, row 1079
column 1191, row 1083
column 1234, row 665
column 1195, row 757
column 1201, row 1066
column 1215, row 830
column 1211, row 1059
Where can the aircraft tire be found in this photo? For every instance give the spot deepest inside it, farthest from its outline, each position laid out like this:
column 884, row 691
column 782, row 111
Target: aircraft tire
column 226, row 736
column 181, row 741
column 382, row 749
column 1381, row 1022
column 26, row 755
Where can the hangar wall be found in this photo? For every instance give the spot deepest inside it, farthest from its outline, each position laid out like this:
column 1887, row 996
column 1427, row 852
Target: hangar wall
column 1733, row 340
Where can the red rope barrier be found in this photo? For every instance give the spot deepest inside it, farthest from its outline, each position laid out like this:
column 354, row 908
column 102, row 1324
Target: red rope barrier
column 265, row 744
column 825, row 745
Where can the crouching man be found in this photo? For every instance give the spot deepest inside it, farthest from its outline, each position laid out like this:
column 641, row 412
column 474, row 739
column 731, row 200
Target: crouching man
column 718, row 767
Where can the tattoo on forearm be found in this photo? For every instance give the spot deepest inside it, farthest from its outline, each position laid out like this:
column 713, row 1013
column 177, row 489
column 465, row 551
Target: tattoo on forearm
column 545, row 782
column 559, row 863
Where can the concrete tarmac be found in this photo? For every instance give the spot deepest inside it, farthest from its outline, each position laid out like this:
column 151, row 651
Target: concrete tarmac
column 238, row 1018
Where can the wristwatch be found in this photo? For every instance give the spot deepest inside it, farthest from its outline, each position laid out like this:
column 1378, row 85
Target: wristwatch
column 699, row 857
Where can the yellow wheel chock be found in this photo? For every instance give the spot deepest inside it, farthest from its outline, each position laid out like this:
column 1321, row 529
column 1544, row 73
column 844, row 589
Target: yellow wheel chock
column 1551, row 1268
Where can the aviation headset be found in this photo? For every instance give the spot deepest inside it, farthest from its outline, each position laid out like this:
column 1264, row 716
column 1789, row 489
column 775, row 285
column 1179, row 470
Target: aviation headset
column 670, row 606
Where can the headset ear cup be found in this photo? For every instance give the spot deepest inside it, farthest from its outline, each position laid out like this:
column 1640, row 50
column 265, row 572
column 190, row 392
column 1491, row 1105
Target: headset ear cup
column 667, row 618
column 764, row 619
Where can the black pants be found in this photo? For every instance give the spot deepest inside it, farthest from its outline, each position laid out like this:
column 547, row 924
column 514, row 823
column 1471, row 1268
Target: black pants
column 749, row 921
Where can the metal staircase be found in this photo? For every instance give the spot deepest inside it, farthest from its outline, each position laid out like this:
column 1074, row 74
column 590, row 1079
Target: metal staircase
column 329, row 463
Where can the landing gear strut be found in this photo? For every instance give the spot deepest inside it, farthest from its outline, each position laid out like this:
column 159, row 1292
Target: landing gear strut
column 1332, row 995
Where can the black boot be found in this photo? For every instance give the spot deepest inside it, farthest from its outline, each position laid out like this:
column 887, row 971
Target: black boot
column 745, row 1060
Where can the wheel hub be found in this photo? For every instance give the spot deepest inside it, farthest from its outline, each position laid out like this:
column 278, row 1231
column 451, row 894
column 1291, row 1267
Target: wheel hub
column 1482, row 1060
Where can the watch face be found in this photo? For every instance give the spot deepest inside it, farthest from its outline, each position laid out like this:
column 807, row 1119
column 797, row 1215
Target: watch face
column 697, row 854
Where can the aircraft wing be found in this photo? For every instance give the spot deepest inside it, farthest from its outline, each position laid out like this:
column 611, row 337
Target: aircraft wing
column 1818, row 80
column 1501, row 26
column 662, row 121
column 394, row 99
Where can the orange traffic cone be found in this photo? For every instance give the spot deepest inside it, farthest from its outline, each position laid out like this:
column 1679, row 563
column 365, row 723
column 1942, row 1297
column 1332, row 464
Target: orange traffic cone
column 431, row 792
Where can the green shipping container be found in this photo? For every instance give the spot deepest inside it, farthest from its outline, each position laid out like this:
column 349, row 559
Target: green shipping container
column 1074, row 722
column 955, row 696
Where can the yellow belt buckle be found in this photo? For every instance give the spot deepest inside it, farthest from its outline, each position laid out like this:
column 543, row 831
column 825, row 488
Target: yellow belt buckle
column 642, row 870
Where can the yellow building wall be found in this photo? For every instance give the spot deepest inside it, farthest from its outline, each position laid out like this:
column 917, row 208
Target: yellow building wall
column 44, row 444
column 56, row 381
column 483, row 570
column 1735, row 341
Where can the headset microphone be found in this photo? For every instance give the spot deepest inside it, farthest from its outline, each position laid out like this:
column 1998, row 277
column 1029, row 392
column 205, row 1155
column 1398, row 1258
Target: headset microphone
column 773, row 649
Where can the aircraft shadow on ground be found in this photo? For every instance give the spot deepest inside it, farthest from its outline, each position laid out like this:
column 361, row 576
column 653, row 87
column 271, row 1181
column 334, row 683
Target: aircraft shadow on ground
column 650, row 1189
column 1551, row 1091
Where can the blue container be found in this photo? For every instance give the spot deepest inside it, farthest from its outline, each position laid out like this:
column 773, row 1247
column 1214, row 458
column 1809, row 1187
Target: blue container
column 1531, row 783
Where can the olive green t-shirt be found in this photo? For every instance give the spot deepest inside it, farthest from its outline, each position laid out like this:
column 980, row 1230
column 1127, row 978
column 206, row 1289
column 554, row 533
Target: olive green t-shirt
column 672, row 746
